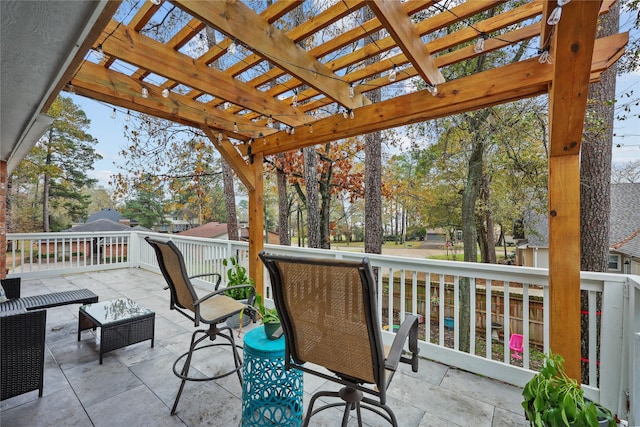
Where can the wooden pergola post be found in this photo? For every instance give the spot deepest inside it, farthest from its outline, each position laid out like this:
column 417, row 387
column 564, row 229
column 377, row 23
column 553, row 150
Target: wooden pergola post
column 256, row 223
column 572, row 50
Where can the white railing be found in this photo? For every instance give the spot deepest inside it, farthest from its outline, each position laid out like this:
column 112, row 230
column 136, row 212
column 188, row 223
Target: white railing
column 505, row 299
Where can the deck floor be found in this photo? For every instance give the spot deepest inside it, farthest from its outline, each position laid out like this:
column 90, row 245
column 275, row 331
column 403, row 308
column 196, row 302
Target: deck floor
column 135, row 386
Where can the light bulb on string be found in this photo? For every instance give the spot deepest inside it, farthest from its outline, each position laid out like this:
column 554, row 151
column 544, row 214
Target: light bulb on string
column 113, row 114
column 128, row 116
column 293, row 130
column 352, row 91
column 287, row 130
column 270, row 121
column 70, row 88
column 544, row 57
column 479, row 47
column 310, row 128
column 393, row 73
column 554, row 17
column 433, row 89
column 99, row 54
column 145, row 92
column 232, row 48
column 165, row 92
column 345, row 114
column 235, row 126
column 352, row 114
column 294, row 100
column 156, row 2
column 219, row 136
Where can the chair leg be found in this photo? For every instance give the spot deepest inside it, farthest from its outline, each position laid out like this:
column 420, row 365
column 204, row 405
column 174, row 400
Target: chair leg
column 185, row 368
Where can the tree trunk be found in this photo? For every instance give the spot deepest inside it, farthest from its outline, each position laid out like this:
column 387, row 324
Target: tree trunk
column 283, row 207
column 46, row 187
column 491, row 239
column 595, row 176
column 230, row 201
column 372, row 167
column 469, row 235
column 325, row 206
column 311, row 182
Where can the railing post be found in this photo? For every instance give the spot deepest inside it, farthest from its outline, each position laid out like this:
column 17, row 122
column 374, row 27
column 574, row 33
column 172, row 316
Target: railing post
column 611, row 346
column 133, row 249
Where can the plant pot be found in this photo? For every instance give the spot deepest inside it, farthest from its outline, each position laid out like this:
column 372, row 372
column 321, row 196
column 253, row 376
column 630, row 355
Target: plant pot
column 270, row 329
column 448, row 322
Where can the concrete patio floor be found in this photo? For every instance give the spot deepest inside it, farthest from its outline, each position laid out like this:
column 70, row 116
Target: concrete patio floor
column 135, row 386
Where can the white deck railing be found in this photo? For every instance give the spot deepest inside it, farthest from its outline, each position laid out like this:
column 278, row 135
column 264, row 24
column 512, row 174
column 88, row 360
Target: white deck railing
column 505, row 299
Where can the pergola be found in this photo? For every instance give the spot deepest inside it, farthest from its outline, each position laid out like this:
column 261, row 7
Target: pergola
column 302, row 74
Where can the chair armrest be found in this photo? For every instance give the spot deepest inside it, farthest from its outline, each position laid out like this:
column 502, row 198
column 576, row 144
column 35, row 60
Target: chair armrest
column 408, row 331
column 11, row 287
column 210, row 274
column 222, row 291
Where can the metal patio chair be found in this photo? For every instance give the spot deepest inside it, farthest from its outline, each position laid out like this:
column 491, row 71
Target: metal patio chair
column 328, row 313
column 212, row 309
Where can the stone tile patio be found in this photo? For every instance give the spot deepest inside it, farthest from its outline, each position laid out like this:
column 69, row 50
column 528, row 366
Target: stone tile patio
column 135, row 386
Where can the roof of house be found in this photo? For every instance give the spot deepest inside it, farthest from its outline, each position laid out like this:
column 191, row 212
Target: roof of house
column 209, row 230
column 624, row 235
column 100, row 225
column 106, row 213
column 624, row 219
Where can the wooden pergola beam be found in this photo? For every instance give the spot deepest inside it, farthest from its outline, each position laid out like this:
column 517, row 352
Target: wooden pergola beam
column 272, row 44
column 233, row 158
column 407, row 38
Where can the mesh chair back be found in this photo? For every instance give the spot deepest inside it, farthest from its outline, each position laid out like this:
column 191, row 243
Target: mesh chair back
column 328, row 314
column 174, row 271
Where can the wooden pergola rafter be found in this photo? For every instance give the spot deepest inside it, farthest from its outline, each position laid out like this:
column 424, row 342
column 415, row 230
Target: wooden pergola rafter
column 304, row 75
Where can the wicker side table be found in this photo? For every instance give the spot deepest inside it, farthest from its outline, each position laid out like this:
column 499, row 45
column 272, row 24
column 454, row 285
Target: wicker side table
column 122, row 322
column 271, row 395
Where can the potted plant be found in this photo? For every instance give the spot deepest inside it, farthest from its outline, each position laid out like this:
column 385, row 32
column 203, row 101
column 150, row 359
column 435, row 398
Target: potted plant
column 552, row 399
column 270, row 319
column 237, row 281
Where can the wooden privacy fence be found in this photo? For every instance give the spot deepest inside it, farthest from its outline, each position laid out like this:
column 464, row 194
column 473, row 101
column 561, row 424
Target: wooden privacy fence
column 429, row 308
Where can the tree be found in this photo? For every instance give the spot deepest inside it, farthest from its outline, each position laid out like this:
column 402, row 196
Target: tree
column 147, row 206
column 56, row 168
column 627, row 172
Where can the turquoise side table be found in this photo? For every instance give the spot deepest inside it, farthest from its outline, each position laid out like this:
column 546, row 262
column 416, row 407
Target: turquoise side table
column 271, row 395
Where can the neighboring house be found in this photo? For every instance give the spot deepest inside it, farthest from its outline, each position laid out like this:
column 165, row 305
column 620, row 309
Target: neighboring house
column 218, row 230
column 107, row 213
column 624, row 234
column 174, row 224
column 210, row 230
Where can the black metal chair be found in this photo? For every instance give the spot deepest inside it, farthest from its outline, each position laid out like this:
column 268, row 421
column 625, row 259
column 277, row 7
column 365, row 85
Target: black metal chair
column 328, row 313
column 212, row 309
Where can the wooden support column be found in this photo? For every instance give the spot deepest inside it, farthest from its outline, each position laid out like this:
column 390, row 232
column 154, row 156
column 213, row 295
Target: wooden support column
column 572, row 51
column 256, row 223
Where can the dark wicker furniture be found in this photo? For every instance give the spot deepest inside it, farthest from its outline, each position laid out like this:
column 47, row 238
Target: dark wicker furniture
column 22, row 337
column 212, row 309
column 328, row 313
column 36, row 302
column 122, row 322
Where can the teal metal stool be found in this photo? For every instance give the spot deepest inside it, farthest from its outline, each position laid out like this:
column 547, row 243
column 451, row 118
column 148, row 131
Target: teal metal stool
column 271, row 395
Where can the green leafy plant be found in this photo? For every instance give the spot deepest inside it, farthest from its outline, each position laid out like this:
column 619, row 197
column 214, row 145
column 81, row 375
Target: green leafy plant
column 552, row 399
column 236, row 276
column 268, row 315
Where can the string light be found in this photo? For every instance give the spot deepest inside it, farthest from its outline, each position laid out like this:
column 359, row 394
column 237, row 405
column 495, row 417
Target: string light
column 219, row 136
column 165, row 92
column 479, row 47
column 393, row 74
column 287, row 130
column 70, row 88
column 294, row 100
column 270, row 121
column 235, row 126
column 113, row 114
column 145, row 92
column 293, row 130
column 232, row 47
column 156, row 2
column 352, row 92
column 433, row 89
column 99, row 54
column 554, row 17
column 345, row 114
column 128, row 116
column 545, row 57
column 310, row 128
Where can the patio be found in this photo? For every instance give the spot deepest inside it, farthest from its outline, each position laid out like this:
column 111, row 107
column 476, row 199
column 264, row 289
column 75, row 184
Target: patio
column 135, row 385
